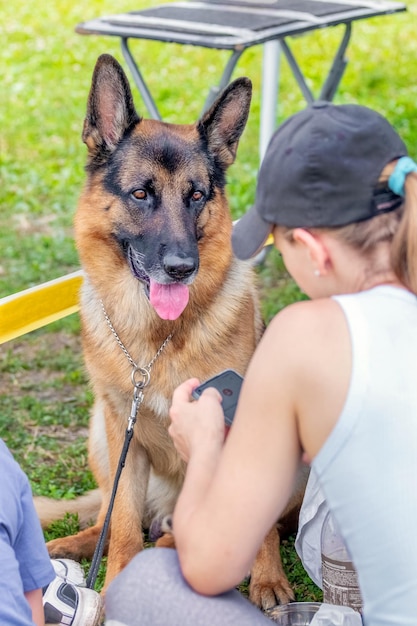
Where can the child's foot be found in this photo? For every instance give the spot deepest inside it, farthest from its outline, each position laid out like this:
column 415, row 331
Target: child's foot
column 66, row 600
column 71, row 571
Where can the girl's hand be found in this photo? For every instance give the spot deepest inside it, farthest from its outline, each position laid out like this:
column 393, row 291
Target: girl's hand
column 196, row 423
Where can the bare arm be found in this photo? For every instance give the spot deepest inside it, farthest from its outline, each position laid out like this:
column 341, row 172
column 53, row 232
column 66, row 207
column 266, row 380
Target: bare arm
column 34, row 599
column 233, row 493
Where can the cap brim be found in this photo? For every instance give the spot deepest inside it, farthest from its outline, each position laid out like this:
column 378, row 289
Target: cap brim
column 249, row 234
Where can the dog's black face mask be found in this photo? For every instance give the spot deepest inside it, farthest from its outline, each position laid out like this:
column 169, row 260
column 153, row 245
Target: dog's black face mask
column 161, row 186
column 160, row 180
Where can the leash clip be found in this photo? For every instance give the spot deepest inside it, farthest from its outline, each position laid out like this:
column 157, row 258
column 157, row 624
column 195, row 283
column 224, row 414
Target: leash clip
column 136, row 402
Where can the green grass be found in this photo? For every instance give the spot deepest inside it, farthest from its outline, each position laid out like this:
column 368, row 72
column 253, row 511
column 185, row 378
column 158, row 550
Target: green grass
column 45, row 70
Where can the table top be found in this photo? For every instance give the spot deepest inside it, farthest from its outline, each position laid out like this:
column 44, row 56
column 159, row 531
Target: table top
column 234, row 24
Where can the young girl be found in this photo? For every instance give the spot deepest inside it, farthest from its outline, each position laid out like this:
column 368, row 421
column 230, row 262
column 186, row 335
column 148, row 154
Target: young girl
column 25, row 566
column 34, row 590
column 333, row 379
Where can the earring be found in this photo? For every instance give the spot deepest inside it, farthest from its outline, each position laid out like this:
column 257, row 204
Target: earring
column 317, row 272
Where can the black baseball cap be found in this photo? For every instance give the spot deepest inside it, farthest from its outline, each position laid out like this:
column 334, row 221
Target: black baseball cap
column 321, row 170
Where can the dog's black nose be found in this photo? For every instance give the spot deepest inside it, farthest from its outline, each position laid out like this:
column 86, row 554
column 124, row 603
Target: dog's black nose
column 179, row 267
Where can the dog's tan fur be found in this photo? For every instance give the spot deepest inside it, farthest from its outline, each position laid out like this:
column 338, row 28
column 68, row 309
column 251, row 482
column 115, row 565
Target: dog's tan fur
column 219, row 327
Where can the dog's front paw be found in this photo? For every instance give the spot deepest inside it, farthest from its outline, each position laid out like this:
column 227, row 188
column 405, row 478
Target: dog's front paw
column 266, row 595
column 64, row 548
column 81, row 545
column 268, row 583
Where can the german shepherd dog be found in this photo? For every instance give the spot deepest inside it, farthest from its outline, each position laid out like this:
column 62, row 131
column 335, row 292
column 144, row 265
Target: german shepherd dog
column 163, row 300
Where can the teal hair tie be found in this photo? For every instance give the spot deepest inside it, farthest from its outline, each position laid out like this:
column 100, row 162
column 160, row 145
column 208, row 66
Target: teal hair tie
column 396, row 181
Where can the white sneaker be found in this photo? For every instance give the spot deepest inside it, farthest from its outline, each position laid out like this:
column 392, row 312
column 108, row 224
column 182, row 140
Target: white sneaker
column 68, row 605
column 71, row 571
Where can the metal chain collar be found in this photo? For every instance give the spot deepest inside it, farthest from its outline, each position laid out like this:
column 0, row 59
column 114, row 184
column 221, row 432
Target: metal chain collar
column 144, row 372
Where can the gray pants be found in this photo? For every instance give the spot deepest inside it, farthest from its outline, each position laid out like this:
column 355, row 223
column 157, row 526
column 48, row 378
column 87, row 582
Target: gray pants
column 151, row 591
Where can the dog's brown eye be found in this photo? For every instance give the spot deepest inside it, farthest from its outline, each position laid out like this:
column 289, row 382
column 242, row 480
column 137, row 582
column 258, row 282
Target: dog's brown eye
column 139, row 194
column 197, row 195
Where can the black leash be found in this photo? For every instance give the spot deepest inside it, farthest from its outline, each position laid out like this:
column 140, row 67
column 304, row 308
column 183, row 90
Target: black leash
column 137, row 401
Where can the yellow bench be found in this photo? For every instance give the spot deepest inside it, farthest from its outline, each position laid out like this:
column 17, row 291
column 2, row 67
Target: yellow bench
column 27, row 310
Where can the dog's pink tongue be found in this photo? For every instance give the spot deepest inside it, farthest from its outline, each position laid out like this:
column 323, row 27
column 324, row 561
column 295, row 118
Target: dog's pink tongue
column 169, row 301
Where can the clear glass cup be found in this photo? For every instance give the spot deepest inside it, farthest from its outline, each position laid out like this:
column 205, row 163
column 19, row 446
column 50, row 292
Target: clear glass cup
column 294, row 614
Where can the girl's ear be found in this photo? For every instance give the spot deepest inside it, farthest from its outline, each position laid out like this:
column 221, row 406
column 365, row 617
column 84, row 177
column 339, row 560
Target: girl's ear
column 316, row 248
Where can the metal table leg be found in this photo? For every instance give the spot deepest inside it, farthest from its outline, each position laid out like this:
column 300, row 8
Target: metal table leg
column 334, row 76
column 269, row 95
column 338, row 67
column 139, row 81
column 225, row 79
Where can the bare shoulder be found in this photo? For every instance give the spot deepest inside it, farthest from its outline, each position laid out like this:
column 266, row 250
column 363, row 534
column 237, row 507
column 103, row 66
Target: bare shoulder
column 313, row 340
column 309, row 322
column 306, row 340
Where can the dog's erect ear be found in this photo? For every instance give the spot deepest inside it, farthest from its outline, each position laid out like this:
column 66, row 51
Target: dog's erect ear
column 110, row 109
column 225, row 121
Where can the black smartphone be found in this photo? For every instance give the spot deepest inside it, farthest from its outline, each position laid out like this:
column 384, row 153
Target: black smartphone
column 228, row 384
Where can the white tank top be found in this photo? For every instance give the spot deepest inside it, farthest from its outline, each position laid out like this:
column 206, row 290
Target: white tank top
column 367, row 468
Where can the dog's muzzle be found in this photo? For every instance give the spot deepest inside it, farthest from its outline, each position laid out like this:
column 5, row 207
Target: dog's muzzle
column 169, row 300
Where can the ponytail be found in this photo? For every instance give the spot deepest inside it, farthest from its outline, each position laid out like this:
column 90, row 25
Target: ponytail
column 404, row 243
